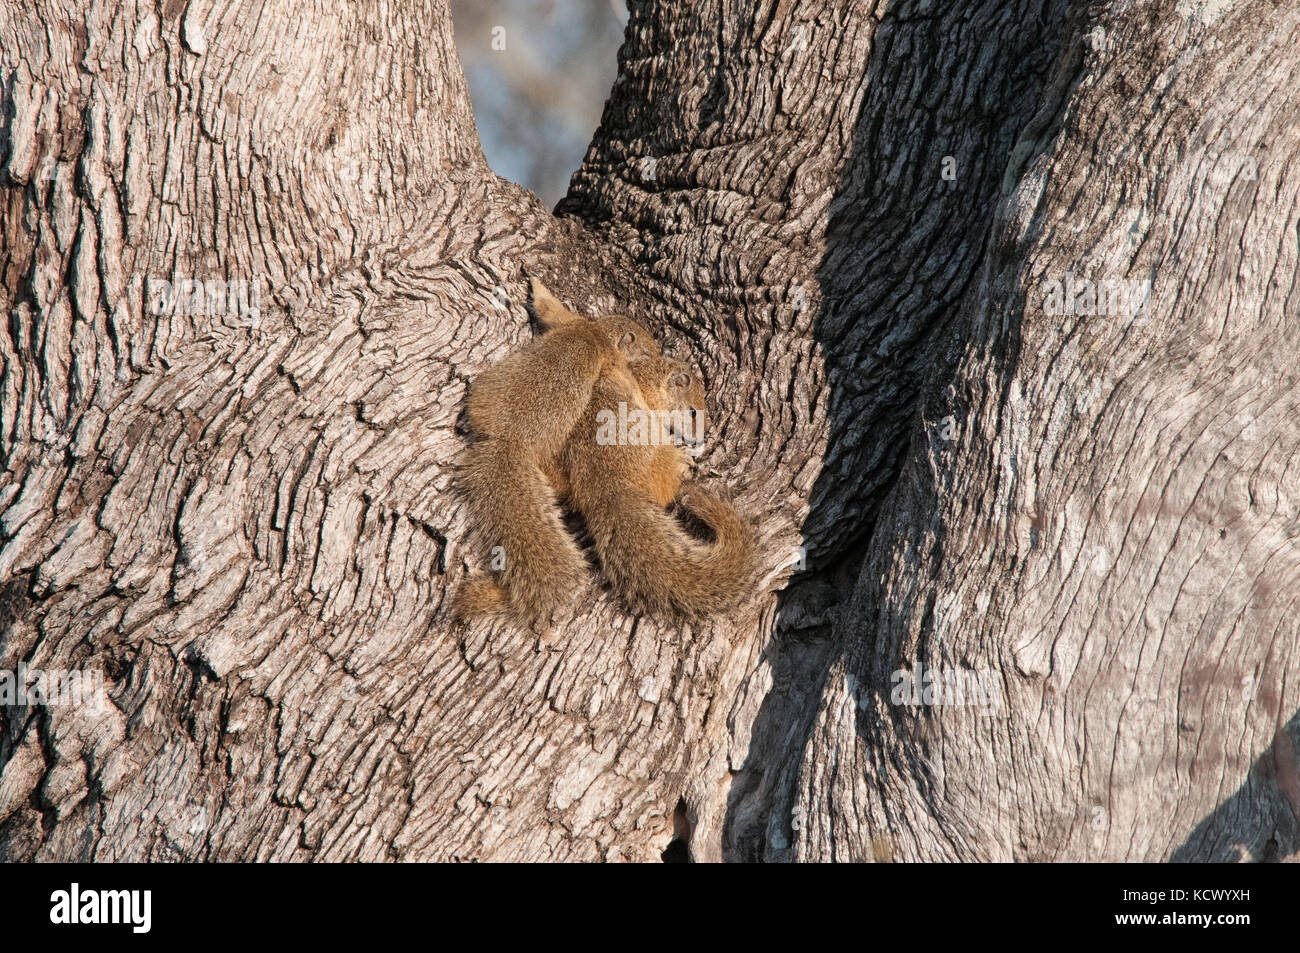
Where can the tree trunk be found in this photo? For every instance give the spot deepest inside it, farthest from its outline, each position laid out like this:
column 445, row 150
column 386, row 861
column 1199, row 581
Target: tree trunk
column 868, row 224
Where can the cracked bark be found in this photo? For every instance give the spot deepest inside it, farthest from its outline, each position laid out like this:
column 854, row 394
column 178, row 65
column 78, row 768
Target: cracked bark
column 249, row 527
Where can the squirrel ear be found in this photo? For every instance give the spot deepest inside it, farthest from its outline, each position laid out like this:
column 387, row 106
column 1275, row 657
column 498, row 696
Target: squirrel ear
column 680, row 380
column 627, row 340
column 547, row 307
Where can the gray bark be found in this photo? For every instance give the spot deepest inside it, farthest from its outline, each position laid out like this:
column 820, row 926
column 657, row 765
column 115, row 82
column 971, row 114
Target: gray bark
column 247, row 522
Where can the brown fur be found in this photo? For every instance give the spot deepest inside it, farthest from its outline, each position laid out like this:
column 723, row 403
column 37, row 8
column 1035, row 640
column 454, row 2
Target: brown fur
column 522, row 411
column 538, row 440
column 621, row 491
column 664, row 384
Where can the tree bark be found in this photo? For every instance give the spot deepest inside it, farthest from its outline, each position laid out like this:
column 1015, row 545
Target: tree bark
column 850, row 215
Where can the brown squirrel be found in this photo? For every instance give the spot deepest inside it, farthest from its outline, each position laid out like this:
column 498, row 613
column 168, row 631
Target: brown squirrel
column 666, row 386
column 621, row 487
column 522, row 411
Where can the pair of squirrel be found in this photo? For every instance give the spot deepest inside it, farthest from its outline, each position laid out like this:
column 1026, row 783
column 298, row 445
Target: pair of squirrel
column 536, row 417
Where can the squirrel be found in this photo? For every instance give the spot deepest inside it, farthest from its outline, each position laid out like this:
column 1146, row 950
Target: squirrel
column 538, row 392
column 522, row 411
column 667, row 386
column 622, row 486
column 619, row 487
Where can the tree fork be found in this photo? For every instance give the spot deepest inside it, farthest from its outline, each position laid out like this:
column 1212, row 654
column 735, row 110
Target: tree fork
column 848, row 215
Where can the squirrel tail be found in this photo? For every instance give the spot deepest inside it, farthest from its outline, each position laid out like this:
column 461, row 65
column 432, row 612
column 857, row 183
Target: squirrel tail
column 659, row 569
column 514, row 508
column 480, row 596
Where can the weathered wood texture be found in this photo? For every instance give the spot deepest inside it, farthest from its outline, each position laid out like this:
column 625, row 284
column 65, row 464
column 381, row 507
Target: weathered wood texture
column 247, row 521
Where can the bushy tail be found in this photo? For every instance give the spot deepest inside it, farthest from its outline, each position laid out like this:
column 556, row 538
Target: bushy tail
column 659, row 569
column 480, row 596
column 512, row 506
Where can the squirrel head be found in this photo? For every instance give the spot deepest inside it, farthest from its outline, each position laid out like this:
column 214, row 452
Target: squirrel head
column 633, row 341
column 670, row 385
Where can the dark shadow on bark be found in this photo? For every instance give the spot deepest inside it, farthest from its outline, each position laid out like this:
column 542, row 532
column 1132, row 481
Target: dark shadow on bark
column 15, row 598
column 1262, row 805
column 903, row 255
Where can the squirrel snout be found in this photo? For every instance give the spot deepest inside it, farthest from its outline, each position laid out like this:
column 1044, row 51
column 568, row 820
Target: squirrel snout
column 691, row 435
